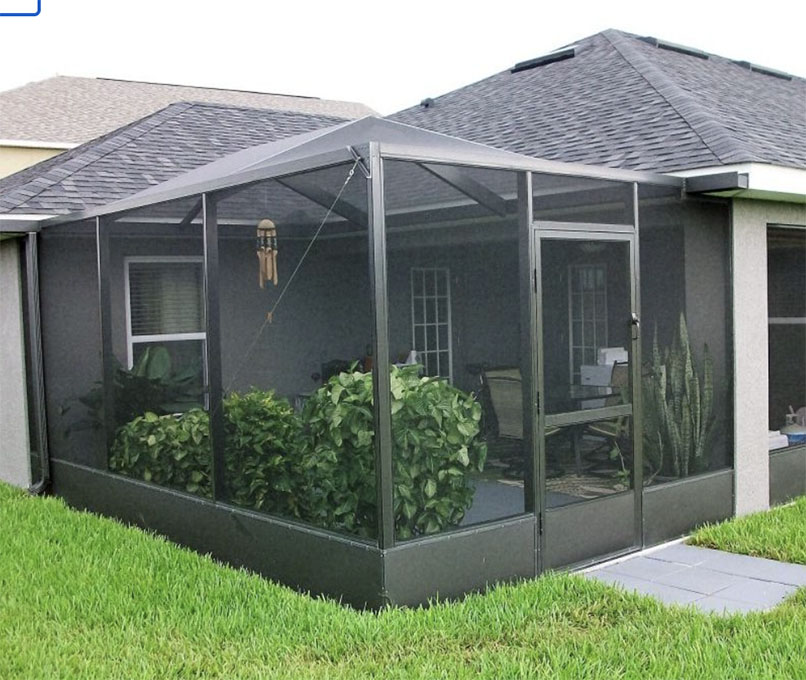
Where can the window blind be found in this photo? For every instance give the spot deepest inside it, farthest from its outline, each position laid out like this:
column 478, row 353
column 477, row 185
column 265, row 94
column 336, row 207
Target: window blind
column 166, row 298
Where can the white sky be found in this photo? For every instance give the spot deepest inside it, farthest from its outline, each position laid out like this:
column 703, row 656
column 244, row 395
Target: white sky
column 388, row 55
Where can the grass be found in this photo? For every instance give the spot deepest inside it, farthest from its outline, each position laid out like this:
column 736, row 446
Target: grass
column 779, row 534
column 85, row 597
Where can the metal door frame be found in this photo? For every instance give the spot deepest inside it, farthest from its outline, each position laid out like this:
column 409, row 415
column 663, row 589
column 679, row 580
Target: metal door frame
column 574, row 231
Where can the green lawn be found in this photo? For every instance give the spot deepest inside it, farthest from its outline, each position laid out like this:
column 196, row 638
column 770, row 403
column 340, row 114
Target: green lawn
column 84, row 597
column 778, row 535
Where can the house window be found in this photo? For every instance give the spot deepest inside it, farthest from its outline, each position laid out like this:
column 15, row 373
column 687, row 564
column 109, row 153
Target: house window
column 587, row 317
column 786, row 305
column 165, row 308
column 431, row 319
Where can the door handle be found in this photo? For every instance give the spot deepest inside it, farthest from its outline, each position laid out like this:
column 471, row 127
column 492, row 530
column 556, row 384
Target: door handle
column 634, row 320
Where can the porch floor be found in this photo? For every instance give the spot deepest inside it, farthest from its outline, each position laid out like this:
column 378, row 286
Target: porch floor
column 710, row 580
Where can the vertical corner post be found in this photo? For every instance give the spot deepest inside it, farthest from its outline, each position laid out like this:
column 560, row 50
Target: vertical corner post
column 529, row 286
column 212, row 317
column 108, row 367
column 637, row 408
column 380, row 378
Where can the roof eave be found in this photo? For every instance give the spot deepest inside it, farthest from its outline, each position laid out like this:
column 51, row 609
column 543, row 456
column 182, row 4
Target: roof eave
column 758, row 181
column 22, row 224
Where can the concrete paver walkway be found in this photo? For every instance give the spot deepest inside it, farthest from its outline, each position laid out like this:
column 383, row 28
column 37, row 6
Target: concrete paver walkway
column 711, row 580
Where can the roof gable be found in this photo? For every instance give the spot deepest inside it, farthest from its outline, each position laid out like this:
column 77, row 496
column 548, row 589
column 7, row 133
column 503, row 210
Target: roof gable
column 358, row 133
column 622, row 102
column 344, row 142
column 67, row 109
column 147, row 152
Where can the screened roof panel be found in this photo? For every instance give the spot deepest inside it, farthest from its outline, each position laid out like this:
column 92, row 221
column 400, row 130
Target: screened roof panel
column 335, row 141
column 335, row 145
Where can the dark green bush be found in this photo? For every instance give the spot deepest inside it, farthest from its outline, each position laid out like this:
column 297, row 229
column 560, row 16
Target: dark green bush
column 174, row 451
column 337, row 455
column 323, row 473
column 153, row 384
column 261, row 452
column 170, row 450
column 435, row 431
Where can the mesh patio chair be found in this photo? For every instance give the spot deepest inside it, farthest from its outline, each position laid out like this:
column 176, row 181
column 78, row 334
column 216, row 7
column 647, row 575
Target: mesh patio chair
column 617, row 430
column 505, row 390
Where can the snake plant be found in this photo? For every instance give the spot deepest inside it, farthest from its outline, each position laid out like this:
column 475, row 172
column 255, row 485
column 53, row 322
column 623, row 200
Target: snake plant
column 678, row 407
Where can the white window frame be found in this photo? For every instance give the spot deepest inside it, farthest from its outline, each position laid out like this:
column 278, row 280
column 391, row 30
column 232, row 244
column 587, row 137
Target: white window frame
column 131, row 339
column 421, row 299
column 572, row 345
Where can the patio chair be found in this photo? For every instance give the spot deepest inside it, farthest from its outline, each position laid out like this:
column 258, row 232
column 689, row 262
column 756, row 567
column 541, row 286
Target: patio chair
column 618, row 429
column 506, row 397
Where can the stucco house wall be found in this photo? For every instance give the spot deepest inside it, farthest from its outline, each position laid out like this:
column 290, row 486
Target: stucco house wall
column 750, row 348
column 14, row 445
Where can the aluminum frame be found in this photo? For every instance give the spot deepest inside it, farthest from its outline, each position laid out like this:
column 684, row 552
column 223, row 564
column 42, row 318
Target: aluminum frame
column 389, row 579
column 480, row 156
column 617, row 233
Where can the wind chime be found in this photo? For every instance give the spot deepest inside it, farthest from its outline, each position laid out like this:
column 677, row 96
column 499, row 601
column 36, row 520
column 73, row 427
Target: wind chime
column 267, row 251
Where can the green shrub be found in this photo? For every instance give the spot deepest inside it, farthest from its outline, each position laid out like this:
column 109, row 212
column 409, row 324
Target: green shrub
column 174, row 451
column 435, row 431
column 152, row 384
column 170, row 450
column 324, row 473
column 338, row 455
column 261, row 452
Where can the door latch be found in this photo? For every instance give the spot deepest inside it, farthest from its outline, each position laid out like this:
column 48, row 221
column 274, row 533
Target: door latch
column 635, row 323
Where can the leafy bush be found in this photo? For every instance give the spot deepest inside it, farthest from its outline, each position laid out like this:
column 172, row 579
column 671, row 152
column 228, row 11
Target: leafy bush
column 261, row 445
column 435, row 431
column 174, row 451
column 153, row 384
column 169, row 450
column 338, row 455
column 323, row 473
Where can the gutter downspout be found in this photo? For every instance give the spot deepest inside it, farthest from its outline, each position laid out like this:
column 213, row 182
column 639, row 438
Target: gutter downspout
column 38, row 410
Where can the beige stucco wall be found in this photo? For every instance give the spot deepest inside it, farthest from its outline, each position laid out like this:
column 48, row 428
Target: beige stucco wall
column 15, row 158
column 14, row 446
column 749, row 246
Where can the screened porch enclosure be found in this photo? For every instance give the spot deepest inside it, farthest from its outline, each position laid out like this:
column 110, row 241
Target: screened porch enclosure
column 381, row 363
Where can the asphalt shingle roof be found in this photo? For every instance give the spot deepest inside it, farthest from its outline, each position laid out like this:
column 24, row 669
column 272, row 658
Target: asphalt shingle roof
column 179, row 138
column 625, row 102
column 67, row 109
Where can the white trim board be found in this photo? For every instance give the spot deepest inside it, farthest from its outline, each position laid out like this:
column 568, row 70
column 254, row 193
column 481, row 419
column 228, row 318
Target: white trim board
column 36, row 144
column 765, row 181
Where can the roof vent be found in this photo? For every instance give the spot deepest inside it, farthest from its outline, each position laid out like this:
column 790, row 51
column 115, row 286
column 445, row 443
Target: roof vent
column 550, row 58
column 427, row 103
column 674, row 47
column 763, row 69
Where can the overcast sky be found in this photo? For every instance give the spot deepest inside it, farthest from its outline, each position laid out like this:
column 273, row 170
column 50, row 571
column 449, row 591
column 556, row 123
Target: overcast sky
column 388, row 55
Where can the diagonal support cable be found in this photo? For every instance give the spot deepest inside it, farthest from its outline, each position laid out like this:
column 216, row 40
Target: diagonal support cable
column 270, row 315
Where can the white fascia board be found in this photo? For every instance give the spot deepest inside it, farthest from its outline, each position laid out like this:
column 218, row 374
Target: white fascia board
column 21, row 223
column 765, row 182
column 34, row 144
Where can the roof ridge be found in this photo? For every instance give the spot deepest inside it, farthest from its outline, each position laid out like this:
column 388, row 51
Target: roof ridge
column 243, row 107
column 713, row 134
column 92, row 152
